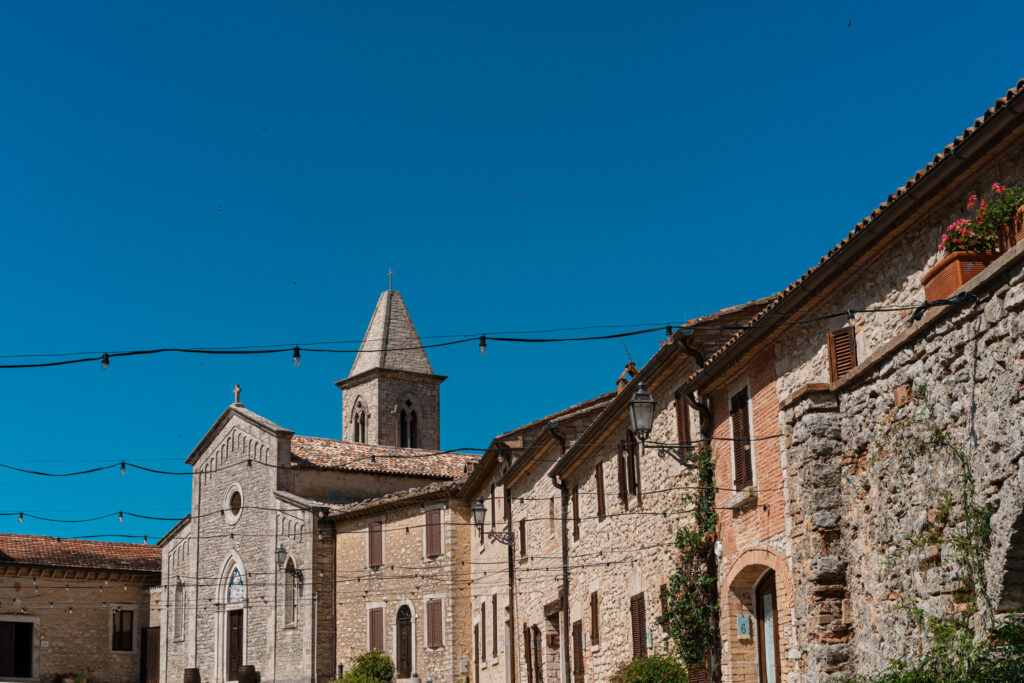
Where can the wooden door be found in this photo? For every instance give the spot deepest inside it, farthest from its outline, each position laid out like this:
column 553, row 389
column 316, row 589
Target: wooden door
column 234, row 643
column 150, row 655
column 768, row 631
column 404, row 655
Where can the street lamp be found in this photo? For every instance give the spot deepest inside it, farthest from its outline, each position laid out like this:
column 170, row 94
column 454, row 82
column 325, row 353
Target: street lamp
column 479, row 512
column 281, row 554
column 641, row 413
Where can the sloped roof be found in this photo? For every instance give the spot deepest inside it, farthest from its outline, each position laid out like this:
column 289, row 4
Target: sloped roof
column 438, row 489
column 951, row 154
column 391, row 341
column 329, row 454
column 48, row 551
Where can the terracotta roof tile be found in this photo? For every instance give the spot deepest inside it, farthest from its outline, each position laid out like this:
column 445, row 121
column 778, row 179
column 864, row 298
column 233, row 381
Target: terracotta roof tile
column 48, row 551
column 329, row 454
column 346, row 509
column 1000, row 104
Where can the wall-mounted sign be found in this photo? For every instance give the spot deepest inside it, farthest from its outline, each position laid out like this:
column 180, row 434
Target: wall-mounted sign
column 743, row 625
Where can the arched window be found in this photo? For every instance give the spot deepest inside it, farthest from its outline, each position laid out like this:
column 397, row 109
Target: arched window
column 408, row 427
column 359, row 422
column 292, row 588
column 179, row 609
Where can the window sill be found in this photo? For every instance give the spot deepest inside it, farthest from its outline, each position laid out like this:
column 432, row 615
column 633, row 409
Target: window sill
column 290, row 627
column 595, row 648
column 743, row 498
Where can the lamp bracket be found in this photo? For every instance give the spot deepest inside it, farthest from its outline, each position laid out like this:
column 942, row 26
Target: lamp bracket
column 503, row 537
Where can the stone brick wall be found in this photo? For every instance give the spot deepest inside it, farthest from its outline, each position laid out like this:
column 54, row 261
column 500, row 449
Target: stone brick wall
column 408, row 578
column 873, row 512
column 81, row 640
column 489, row 586
column 380, row 395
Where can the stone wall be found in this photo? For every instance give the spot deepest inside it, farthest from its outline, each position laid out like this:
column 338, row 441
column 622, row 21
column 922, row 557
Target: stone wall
column 489, row 586
column 407, row 578
column 876, row 499
column 80, row 640
column 380, row 394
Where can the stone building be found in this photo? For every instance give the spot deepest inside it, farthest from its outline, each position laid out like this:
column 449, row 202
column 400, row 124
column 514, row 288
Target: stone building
column 83, row 607
column 850, row 449
column 251, row 575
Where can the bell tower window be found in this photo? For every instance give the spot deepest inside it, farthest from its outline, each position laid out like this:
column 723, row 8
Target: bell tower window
column 359, row 422
column 408, row 429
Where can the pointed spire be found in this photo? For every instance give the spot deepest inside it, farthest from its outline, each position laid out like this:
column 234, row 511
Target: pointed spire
column 391, row 340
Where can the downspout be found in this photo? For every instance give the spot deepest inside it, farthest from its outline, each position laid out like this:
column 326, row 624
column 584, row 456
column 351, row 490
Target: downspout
column 564, row 598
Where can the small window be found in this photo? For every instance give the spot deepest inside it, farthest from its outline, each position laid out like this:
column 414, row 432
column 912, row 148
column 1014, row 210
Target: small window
column 433, row 533
column 599, row 484
column 435, row 634
column 638, row 621
column 236, row 502
column 740, row 418
column 179, row 609
column 376, row 533
column 359, row 422
column 842, row 353
column 122, row 639
column 408, row 426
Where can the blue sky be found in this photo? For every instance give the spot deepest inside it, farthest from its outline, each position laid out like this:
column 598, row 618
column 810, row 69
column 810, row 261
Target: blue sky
column 189, row 175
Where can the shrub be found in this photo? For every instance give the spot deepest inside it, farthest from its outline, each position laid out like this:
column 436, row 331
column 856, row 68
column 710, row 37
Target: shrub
column 370, row 667
column 653, row 669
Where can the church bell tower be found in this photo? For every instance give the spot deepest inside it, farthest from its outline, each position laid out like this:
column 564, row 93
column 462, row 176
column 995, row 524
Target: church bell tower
column 391, row 396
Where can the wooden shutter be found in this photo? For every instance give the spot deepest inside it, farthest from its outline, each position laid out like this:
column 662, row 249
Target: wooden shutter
column 122, row 640
column 377, row 628
column 527, row 654
column 433, row 533
column 522, row 538
column 434, row 630
column 376, row 545
column 599, row 481
column 507, row 509
column 494, row 517
column 483, row 629
column 630, row 462
column 595, row 628
column 738, row 413
column 621, row 461
column 663, row 592
column 575, row 514
column 842, row 353
column 683, row 423
column 577, row 650
column 638, row 618
column 698, row 674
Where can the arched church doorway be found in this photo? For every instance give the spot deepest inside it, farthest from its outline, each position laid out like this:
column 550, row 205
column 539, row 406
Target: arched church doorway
column 766, row 604
column 403, row 663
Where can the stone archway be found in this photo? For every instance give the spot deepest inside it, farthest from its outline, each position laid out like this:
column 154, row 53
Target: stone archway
column 741, row 652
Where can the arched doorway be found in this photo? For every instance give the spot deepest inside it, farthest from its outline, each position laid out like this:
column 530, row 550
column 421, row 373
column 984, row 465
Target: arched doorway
column 766, row 604
column 403, row 663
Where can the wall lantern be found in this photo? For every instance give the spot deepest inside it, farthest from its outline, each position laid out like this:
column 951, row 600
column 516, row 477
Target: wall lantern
column 479, row 512
column 281, row 554
column 641, row 413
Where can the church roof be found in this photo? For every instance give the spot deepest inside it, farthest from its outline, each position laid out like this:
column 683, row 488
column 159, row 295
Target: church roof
column 397, row 499
column 391, row 341
column 329, row 454
column 69, row 553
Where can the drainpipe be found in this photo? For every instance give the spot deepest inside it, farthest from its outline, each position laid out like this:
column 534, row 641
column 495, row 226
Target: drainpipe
column 560, row 485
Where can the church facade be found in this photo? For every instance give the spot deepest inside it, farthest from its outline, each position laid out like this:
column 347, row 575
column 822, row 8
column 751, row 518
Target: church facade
column 252, row 574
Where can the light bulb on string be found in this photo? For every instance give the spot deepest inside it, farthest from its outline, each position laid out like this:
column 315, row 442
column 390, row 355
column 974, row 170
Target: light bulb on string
column 122, row 468
column 296, row 359
column 483, row 344
column 21, row 518
column 106, row 361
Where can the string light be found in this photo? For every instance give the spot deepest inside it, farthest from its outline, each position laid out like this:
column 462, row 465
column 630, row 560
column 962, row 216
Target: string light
column 106, row 361
column 483, row 344
column 296, row 359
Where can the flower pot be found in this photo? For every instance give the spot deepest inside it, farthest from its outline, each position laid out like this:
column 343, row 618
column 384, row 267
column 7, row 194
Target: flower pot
column 1013, row 232
column 953, row 271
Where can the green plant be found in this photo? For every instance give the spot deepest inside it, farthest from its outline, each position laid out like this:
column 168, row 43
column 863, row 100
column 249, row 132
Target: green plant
column 1007, row 202
column 691, row 596
column 653, row 669
column 979, row 232
column 370, row 667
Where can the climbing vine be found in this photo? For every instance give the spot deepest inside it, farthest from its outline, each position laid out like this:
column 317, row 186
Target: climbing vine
column 691, row 596
column 955, row 653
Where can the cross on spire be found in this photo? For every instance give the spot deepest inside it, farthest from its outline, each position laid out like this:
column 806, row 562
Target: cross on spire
column 390, row 273
column 238, row 391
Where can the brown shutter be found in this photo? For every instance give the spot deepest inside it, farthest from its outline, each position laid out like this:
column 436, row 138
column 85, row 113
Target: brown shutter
column 638, row 618
column 663, row 592
column 577, row 650
column 528, row 654
column 738, row 413
column 494, row 517
column 507, row 510
column 575, row 514
column 483, row 629
column 595, row 629
column 522, row 538
column 494, row 632
column 434, row 632
column 377, row 628
column 683, row 423
column 376, row 545
column 698, row 674
column 621, row 460
column 599, row 481
column 433, row 533
column 842, row 353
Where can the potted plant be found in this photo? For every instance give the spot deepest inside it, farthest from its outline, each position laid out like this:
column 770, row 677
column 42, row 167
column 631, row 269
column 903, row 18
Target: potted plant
column 1007, row 214
column 969, row 245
